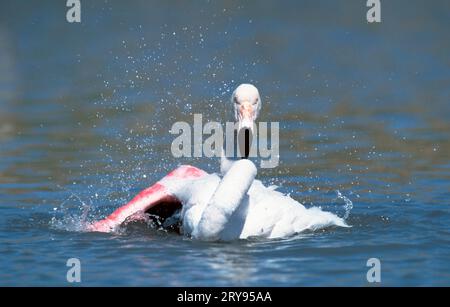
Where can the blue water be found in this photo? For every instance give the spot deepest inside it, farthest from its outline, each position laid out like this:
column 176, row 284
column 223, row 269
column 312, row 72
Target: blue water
column 85, row 113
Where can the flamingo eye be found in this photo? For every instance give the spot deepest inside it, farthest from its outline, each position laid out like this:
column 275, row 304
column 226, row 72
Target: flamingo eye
column 236, row 101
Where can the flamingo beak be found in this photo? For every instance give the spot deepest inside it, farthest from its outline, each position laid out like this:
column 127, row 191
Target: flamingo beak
column 245, row 129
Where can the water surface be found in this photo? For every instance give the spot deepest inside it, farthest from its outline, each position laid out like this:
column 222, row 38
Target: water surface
column 85, row 113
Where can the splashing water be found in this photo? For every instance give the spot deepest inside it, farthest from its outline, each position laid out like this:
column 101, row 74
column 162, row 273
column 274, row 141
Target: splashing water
column 70, row 221
column 348, row 204
column 75, row 215
column 69, row 216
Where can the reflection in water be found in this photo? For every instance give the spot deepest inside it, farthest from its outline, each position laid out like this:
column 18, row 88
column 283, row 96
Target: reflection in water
column 231, row 263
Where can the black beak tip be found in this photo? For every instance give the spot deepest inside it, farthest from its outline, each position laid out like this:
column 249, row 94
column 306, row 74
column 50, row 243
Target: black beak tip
column 245, row 141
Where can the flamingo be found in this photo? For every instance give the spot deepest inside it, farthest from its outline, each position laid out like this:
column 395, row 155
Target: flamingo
column 212, row 207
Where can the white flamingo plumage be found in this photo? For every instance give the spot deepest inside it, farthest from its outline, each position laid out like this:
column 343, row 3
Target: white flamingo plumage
column 236, row 206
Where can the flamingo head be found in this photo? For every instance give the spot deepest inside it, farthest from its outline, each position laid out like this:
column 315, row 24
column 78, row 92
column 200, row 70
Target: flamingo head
column 247, row 104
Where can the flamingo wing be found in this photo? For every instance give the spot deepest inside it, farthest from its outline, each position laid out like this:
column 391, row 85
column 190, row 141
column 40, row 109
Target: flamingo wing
column 155, row 200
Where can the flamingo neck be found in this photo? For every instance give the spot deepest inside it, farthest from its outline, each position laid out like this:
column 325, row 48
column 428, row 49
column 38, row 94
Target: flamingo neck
column 229, row 194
